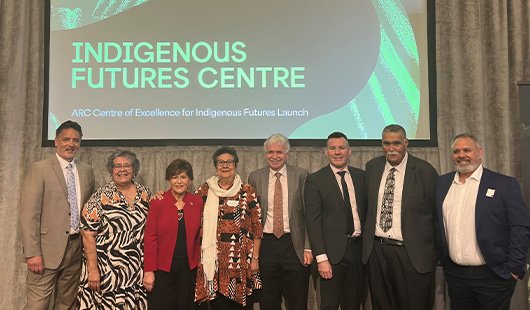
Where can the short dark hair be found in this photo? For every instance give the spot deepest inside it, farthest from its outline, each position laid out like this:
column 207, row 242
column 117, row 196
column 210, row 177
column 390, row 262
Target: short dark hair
column 69, row 124
column 395, row 128
column 337, row 135
column 225, row 150
column 178, row 166
column 131, row 156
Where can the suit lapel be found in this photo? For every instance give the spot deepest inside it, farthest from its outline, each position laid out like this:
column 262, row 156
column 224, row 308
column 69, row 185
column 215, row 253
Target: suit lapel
column 83, row 180
column 332, row 180
column 408, row 184
column 291, row 186
column 481, row 194
column 375, row 181
column 264, row 184
column 60, row 175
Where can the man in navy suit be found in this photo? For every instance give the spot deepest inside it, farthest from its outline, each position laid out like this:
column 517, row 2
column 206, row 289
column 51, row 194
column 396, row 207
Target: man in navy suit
column 483, row 228
column 335, row 210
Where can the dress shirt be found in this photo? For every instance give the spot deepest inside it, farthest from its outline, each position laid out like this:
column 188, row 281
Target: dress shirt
column 353, row 201
column 459, row 220
column 64, row 164
column 268, row 228
column 399, row 178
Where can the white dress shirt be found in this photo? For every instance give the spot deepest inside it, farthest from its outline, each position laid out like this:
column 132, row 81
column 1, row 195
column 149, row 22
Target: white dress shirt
column 459, row 220
column 399, row 178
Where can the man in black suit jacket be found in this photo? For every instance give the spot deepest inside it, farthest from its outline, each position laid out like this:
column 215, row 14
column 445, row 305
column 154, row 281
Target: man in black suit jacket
column 399, row 235
column 285, row 254
column 484, row 230
column 335, row 209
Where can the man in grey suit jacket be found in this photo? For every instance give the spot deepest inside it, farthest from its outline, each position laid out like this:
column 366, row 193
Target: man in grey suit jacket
column 50, row 223
column 399, row 235
column 285, row 254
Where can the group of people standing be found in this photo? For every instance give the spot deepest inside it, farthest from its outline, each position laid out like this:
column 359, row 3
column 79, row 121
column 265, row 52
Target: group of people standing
column 121, row 247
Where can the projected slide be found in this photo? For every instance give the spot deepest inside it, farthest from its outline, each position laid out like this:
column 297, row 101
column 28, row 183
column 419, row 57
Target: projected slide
column 174, row 69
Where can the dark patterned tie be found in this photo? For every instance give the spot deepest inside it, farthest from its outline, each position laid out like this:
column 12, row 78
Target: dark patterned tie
column 385, row 220
column 346, row 196
column 277, row 219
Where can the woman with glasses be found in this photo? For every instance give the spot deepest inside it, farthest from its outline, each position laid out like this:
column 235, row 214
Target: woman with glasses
column 172, row 242
column 232, row 234
column 112, row 227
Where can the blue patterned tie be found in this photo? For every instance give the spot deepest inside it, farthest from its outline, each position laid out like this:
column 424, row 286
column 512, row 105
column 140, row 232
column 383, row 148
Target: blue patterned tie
column 72, row 198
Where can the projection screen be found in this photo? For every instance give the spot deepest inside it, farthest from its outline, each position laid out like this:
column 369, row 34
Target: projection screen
column 157, row 72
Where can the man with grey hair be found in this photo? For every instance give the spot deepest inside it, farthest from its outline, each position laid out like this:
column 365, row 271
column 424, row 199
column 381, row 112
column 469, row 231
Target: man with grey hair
column 55, row 189
column 399, row 235
column 285, row 255
column 483, row 228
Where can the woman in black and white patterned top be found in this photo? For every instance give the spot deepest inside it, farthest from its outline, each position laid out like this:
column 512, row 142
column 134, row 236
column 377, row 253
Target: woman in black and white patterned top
column 112, row 226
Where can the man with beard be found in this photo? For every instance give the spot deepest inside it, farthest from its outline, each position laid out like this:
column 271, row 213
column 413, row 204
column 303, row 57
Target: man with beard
column 399, row 235
column 484, row 229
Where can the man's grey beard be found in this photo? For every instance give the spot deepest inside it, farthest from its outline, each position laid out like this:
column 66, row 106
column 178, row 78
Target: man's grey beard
column 467, row 168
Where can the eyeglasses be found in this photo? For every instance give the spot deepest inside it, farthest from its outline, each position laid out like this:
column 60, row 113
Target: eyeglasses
column 228, row 163
column 120, row 166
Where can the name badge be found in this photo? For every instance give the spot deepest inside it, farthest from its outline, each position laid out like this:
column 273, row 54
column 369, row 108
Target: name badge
column 232, row 203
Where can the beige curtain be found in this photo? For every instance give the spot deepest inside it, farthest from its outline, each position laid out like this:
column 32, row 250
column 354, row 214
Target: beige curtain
column 482, row 51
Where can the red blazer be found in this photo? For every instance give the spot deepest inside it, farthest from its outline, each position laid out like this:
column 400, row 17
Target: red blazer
column 162, row 227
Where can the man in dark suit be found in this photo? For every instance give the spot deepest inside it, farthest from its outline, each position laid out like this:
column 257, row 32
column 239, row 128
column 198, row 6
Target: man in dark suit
column 285, row 253
column 335, row 209
column 54, row 191
column 484, row 229
column 399, row 235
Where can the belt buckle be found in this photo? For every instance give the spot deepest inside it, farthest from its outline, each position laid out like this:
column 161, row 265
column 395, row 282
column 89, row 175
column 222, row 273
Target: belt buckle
column 389, row 241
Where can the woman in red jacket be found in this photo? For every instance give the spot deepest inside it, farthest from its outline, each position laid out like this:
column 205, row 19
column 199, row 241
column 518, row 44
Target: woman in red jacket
column 172, row 242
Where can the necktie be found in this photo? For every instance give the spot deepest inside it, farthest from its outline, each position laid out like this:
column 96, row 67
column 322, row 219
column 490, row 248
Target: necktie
column 277, row 222
column 346, row 196
column 72, row 198
column 385, row 220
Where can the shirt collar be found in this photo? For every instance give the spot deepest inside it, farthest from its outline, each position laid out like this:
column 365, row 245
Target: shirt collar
column 64, row 163
column 402, row 165
column 336, row 170
column 283, row 171
column 476, row 175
